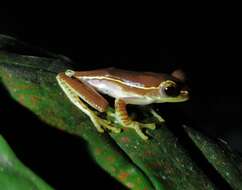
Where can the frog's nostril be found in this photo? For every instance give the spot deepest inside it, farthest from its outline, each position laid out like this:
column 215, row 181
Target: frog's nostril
column 184, row 92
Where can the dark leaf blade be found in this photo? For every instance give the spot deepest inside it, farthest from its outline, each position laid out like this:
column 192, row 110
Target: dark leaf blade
column 163, row 160
column 220, row 157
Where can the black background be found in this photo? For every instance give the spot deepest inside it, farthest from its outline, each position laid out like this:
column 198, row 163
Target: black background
column 204, row 45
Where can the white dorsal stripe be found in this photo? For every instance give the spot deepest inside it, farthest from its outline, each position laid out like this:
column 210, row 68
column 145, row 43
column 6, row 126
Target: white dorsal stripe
column 129, row 83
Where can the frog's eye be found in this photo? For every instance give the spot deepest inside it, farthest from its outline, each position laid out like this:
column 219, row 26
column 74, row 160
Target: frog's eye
column 171, row 88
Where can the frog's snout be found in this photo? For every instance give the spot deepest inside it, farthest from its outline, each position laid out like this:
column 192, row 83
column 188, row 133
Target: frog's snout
column 185, row 94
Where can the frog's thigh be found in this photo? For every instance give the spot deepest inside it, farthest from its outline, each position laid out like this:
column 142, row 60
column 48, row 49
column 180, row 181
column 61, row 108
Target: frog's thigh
column 84, row 91
column 75, row 99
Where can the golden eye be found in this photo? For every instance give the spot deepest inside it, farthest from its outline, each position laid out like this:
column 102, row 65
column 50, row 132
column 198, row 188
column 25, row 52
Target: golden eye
column 171, row 89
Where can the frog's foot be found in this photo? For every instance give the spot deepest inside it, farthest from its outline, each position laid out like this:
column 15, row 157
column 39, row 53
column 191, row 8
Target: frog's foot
column 137, row 126
column 102, row 124
column 147, row 125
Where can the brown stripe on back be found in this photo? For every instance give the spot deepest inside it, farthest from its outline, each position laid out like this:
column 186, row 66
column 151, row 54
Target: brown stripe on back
column 147, row 79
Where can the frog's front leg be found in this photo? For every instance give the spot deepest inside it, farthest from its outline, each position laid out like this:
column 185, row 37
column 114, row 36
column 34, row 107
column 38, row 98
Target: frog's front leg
column 76, row 90
column 156, row 115
column 123, row 117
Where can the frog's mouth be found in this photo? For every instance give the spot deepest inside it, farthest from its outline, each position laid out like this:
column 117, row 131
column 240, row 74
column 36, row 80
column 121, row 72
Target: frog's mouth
column 182, row 97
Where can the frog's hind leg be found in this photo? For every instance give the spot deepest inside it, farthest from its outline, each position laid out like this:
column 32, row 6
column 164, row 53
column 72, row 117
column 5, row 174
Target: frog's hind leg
column 68, row 86
column 122, row 116
column 98, row 122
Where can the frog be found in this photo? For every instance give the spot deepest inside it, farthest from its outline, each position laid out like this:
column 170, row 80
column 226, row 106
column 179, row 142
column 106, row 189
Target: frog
column 86, row 90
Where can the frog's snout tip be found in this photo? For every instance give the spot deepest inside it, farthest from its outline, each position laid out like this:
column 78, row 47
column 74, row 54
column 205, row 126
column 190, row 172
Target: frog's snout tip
column 184, row 92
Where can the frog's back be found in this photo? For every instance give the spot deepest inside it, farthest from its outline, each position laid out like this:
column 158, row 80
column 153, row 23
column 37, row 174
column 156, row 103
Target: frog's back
column 145, row 79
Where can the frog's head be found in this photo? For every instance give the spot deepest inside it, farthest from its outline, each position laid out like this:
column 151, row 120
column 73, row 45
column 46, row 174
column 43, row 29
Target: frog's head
column 174, row 89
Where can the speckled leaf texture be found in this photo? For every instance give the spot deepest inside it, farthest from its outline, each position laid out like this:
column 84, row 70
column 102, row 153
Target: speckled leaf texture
column 161, row 163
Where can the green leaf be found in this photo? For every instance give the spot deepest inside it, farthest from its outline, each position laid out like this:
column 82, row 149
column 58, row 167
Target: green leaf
column 14, row 175
column 159, row 163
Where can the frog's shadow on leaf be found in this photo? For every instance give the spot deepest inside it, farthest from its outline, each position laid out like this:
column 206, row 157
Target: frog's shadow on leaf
column 57, row 157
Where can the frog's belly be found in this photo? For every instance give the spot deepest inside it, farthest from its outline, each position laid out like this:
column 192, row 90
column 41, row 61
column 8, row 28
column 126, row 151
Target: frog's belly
column 117, row 90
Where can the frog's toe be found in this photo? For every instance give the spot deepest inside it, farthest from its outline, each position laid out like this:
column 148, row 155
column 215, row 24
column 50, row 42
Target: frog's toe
column 148, row 125
column 138, row 129
column 115, row 130
column 106, row 125
column 140, row 133
column 157, row 116
column 99, row 128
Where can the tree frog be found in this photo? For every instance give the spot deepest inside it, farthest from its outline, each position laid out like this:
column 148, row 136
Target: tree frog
column 126, row 87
